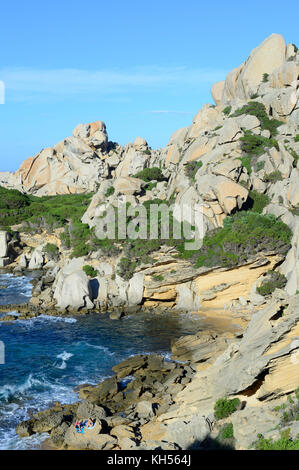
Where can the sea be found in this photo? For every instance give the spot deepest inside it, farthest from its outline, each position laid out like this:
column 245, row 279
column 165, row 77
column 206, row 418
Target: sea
column 46, row 357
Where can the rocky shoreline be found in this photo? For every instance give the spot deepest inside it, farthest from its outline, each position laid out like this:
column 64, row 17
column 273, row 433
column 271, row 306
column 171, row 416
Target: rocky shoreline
column 155, row 403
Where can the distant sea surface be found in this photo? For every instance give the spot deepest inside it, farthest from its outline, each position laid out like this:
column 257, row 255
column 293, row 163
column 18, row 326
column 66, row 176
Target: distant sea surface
column 46, row 357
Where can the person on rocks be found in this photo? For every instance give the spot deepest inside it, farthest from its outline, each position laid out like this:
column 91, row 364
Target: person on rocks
column 81, row 425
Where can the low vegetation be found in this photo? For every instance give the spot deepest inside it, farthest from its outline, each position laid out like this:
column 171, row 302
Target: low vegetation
column 258, row 201
column 150, row 174
column 274, row 280
column 110, row 191
column 38, row 213
column 253, row 144
column 51, row 250
column 273, row 177
column 283, row 443
column 227, row 110
column 257, row 109
column 225, row 407
column 90, row 271
column 243, row 235
column 227, row 431
column 191, row 169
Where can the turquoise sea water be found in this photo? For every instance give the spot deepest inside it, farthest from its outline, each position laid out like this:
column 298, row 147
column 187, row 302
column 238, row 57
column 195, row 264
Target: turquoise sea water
column 46, row 357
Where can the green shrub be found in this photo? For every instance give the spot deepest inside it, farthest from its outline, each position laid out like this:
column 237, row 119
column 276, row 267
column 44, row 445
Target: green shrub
column 243, row 235
column 295, row 48
column 295, row 157
column 265, row 77
column 126, row 268
column 150, row 174
column 274, row 281
column 38, row 213
column 257, row 109
column 260, row 166
column 90, row 271
column 227, row 110
column 273, row 177
column 225, row 407
column 283, row 443
column 12, row 199
column 246, row 162
column 256, row 145
column 151, row 186
column 191, row 169
column 110, row 191
column 51, row 249
column 158, row 278
column 260, row 201
column 227, row 431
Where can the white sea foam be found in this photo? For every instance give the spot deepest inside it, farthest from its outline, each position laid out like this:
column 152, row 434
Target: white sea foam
column 65, row 356
column 56, row 319
column 99, row 347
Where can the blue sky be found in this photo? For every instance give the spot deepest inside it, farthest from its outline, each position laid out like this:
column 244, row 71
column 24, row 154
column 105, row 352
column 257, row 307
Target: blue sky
column 144, row 68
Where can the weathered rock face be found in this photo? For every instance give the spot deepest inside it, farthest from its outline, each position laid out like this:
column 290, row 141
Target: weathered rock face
column 4, row 237
column 155, row 384
column 266, row 58
column 73, row 165
column 72, row 288
column 4, row 258
column 37, row 259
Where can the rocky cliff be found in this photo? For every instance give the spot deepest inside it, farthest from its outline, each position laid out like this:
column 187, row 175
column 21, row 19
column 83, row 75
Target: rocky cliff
column 237, row 164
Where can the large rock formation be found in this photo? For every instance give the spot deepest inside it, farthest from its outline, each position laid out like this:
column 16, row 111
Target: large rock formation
column 204, row 166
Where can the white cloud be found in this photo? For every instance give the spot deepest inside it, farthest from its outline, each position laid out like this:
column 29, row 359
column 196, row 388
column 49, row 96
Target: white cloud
column 24, row 84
